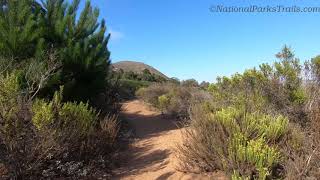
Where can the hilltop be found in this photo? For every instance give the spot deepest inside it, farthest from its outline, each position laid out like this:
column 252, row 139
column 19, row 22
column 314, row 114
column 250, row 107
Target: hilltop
column 136, row 67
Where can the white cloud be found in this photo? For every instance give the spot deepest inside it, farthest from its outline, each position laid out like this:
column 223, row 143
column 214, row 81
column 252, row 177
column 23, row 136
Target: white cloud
column 116, row 35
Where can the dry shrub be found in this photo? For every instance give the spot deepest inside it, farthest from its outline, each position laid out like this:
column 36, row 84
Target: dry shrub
column 243, row 144
column 205, row 149
column 305, row 163
column 101, row 141
column 37, row 140
column 76, row 127
column 151, row 93
column 204, row 143
column 110, row 127
column 173, row 99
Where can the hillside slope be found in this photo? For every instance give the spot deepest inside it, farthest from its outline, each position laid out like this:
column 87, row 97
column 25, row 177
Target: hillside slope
column 136, row 67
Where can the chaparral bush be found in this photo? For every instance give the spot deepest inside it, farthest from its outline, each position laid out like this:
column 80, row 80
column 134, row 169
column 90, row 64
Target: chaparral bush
column 163, row 102
column 68, row 117
column 244, row 144
column 172, row 98
column 151, row 93
column 127, row 88
column 262, row 124
column 37, row 134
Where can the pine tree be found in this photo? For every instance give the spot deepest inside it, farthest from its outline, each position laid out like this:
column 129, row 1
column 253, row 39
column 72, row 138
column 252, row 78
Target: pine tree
column 29, row 29
column 82, row 47
column 19, row 30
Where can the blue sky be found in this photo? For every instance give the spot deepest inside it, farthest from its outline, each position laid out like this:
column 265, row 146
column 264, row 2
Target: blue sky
column 183, row 39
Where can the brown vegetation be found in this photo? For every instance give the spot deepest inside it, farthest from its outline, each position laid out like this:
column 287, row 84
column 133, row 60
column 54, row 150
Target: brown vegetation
column 173, row 99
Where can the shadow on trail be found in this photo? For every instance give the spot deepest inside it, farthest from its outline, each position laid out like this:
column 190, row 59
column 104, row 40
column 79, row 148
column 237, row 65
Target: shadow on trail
column 138, row 161
column 143, row 155
column 146, row 126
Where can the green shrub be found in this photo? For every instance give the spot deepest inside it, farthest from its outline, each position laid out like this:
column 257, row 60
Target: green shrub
column 10, row 106
column 144, row 76
column 127, row 88
column 163, row 102
column 245, row 144
column 30, row 29
column 276, row 88
column 81, row 115
column 43, row 46
column 33, row 141
column 43, row 113
column 255, row 153
column 9, row 93
column 67, row 115
column 16, row 136
column 299, row 96
column 249, row 136
column 252, row 124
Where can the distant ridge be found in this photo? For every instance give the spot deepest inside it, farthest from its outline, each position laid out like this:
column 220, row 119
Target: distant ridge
column 136, row 67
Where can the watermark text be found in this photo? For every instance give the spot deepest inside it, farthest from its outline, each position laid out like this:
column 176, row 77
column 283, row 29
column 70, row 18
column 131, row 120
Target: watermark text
column 263, row 9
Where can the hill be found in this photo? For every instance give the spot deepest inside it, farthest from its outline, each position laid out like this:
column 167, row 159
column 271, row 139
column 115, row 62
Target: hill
column 136, row 67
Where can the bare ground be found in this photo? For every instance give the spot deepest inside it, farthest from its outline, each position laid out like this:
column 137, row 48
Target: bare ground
column 152, row 155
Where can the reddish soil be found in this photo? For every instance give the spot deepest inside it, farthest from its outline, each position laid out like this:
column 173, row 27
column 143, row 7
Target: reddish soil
column 152, row 154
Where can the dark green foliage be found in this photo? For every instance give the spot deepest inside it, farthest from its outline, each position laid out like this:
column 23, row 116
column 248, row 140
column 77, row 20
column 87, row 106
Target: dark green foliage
column 288, row 71
column 31, row 30
column 127, row 87
column 129, row 82
column 148, row 76
column 20, row 32
column 82, row 47
column 43, row 46
column 145, row 75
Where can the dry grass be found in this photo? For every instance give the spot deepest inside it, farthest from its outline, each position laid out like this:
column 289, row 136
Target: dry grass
column 203, row 145
column 305, row 163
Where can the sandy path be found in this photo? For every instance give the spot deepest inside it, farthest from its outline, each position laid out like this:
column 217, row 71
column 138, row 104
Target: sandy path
column 152, row 155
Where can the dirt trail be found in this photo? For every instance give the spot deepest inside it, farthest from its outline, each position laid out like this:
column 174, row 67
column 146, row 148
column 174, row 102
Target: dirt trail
column 152, row 155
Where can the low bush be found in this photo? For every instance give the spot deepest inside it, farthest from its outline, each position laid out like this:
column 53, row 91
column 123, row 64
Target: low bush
column 151, row 93
column 163, row 102
column 244, row 144
column 36, row 135
column 13, row 129
column 73, row 124
column 173, row 99
column 126, row 89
